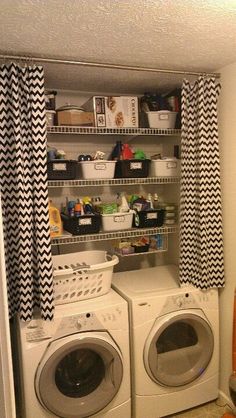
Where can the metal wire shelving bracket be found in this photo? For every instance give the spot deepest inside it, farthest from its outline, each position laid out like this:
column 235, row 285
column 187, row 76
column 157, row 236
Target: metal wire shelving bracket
column 102, row 236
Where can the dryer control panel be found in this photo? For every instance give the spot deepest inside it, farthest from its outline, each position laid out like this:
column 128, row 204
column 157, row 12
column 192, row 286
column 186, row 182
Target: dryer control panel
column 179, row 301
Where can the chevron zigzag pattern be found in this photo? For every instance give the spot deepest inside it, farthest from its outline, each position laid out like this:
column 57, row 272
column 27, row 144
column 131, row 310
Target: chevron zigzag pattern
column 201, row 231
column 23, row 182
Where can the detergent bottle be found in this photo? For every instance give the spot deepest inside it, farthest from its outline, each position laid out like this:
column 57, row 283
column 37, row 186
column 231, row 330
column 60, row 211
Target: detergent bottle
column 54, row 221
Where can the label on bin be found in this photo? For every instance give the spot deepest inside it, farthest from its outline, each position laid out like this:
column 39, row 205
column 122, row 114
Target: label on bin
column 171, row 165
column 85, row 221
column 59, row 167
column 136, row 165
column 152, row 215
column 119, row 218
column 100, row 166
column 163, row 116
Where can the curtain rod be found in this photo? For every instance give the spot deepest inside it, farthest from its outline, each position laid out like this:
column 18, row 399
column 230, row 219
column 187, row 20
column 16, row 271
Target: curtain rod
column 105, row 65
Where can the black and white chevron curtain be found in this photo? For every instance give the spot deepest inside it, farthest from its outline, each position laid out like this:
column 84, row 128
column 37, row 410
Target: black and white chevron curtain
column 201, row 235
column 24, row 193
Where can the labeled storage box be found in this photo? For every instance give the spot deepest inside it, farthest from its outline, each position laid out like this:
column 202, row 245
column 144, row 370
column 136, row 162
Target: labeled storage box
column 114, row 111
column 82, row 275
column 74, row 117
column 97, row 169
column 81, row 225
column 152, row 218
column 61, row 169
column 162, row 119
column 132, row 168
column 117, row 221
column 166, row 167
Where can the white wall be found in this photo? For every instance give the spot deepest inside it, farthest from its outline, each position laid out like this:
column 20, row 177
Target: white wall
column 227, row 137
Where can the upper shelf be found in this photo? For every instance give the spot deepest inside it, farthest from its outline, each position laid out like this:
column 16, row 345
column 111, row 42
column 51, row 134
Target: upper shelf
column 112, row 182
column 91, row 130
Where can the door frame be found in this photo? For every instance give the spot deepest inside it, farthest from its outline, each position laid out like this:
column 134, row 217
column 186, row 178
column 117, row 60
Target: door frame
column 7, row 393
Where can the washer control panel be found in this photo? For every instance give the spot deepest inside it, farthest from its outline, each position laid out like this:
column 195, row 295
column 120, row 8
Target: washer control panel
column 39, row 330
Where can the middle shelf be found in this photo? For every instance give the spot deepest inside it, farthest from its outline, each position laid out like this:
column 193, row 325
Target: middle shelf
column 101, row 236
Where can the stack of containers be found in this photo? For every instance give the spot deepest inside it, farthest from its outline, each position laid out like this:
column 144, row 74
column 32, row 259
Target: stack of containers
column 170, row 213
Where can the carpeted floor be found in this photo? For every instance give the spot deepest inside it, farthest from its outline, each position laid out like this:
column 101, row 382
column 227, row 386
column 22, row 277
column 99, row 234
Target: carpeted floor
column 209, row 410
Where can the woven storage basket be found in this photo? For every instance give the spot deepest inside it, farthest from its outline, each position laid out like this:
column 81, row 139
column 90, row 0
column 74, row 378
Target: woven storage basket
column 82, row 275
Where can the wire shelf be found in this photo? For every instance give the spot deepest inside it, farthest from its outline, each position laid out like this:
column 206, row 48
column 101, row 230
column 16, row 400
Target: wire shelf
column 138, row 254
column 73, row 239
column 91, row 130
column 112, row 182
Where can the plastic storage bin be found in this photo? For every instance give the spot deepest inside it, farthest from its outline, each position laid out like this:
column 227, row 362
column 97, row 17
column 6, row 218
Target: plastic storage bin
column 141, row 248
column 162, row 119
column 81, row 225
column 132, row 168
column 97, row 169
column 166, row 167
column 149, row 218
column 50, row 117
column 117, row 221
column 82, row 275
column 61, row 169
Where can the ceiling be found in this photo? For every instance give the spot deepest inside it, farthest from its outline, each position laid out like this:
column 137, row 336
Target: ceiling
column 186, row 35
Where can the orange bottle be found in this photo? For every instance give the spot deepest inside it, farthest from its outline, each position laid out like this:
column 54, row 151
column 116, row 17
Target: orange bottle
column 54, row 221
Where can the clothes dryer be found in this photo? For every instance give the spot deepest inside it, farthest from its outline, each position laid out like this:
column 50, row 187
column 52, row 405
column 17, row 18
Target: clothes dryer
column 174, row 341
column 77, row 365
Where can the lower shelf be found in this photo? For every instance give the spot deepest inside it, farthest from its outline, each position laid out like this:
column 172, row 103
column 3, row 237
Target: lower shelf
column 142, row 253
column 67, row 238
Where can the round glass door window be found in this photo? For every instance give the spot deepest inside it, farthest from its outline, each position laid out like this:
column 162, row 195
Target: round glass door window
column 180, row 350
column 80, row 378
column 79, row 373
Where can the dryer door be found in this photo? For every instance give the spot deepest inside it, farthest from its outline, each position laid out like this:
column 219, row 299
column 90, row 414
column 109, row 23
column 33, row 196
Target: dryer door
column 79, row 375
column 178, row 349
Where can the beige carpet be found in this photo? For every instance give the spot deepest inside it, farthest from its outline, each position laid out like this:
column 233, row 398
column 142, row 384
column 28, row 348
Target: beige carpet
column 209, row 410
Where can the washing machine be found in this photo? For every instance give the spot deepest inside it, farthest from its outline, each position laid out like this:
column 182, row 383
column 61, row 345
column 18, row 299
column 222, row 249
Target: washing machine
column 174, row 341
column 77, row 365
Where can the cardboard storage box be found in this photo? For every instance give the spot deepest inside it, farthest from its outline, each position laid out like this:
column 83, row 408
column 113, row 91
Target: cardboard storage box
column 114, row 111
column 70, row 117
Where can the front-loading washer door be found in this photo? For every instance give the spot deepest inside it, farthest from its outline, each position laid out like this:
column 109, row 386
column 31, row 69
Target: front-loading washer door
column 79, row 376
column 178, row 349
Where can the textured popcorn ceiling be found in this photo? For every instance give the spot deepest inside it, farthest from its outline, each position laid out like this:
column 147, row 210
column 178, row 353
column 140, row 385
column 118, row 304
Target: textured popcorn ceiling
column 174, row 34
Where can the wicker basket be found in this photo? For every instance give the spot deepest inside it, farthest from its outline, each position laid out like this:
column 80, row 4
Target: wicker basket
column 76, row 278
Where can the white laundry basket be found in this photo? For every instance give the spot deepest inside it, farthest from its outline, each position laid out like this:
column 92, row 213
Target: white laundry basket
column 82, row 275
